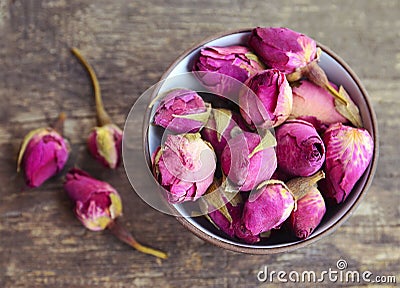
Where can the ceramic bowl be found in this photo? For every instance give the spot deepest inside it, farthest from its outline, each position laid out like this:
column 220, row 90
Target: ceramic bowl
column 339, row 73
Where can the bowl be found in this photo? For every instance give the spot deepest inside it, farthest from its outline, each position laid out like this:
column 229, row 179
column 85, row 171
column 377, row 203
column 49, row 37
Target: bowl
column 339, row 73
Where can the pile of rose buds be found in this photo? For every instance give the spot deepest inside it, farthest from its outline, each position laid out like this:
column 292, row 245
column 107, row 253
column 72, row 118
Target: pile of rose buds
column 267, row 184
column 44, row 153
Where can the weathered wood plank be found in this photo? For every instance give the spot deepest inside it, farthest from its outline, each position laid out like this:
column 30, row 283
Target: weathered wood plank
column 130, row 44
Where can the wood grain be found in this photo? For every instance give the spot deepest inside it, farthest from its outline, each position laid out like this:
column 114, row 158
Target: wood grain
column 130, row 44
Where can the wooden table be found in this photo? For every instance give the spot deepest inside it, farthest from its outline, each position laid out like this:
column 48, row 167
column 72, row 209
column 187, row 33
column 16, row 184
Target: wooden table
column 130, row 44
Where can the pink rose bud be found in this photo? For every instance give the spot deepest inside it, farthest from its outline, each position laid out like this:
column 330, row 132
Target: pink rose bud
column 237, row 62
column 348, row 153
column 226, row 214
column 184, row 165
column 282, row 48
column 300, row 150
column 98, row 205
column 310, row 206
column 249, row 159
column 222, row 212
column 43, row 154
column 308, row 214
column 268, row 207
column 182, row 111
column 105, row 144
column 273, row 102
column 219, row 127
column 312, row 100
column 105, row 140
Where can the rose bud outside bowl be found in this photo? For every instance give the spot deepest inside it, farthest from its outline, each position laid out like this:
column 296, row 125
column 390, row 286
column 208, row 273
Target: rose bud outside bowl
column 338, row 72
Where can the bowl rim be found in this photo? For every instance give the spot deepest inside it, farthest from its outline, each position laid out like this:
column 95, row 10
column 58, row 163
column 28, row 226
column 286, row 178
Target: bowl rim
column 374, row 161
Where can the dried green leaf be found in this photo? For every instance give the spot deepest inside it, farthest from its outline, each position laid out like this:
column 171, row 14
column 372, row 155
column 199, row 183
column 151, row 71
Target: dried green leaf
column 350, row 110
column 300, row 186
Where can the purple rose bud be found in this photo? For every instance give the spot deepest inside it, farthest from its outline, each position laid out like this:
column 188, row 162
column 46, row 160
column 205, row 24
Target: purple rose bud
column 268, row 207
column 218, row 129
column 97, row 203
column 43, row 154
column 182, row 111
column 222, row 212
column 237, row 62
column 282, row 48
column 300, row 150
column 105, row 145
column 348, row 153
column 226, row 214
column 184, row 165
column 312, row 100
column 248, row 159
column 271, row 103
column 308, row 214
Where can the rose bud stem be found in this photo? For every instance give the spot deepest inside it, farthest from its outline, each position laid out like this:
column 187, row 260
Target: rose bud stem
column 125, row 236
column 102, row 116
column 59, row 125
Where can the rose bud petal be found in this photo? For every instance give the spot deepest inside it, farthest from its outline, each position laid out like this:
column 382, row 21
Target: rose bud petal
column 43, row 154
column 219, row 127
column 273, row 102
column 184, row 165
column 348, row 153
column 300, row 150
column 282, row 48
column 308, row 214
column 312, row 100
column 105, row 145
column 182, row 111
column 248, row 159
column 98, row 204
column 268, row 207
column 237, row 62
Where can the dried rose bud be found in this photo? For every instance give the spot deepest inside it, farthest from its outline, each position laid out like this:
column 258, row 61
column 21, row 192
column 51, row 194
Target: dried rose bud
column 104, row 141
column 249, row 159
column 105, row 144
column 219, row 128
column 312, row 100
column 282, row 48
column 184, row 165
column 310, row 206
column 348, row 153
column 182, row 111
column 271, row 103
column 222, row 212
column 237, row 62
column 43, row 154
column 98, row 205
column 268, row 207
column 300, row 150
column 310, row 210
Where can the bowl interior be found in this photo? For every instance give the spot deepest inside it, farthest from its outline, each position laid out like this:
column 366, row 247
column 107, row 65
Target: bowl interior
column 339, row 73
